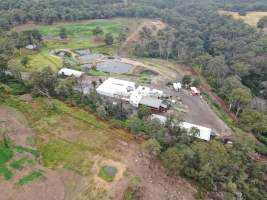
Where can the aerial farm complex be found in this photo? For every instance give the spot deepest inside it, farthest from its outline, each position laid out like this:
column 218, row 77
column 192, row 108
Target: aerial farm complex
column 160, row 102
column 136, row 96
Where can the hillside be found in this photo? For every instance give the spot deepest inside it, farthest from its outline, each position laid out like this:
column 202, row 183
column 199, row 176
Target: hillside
column 133, row 100
column 74, row 145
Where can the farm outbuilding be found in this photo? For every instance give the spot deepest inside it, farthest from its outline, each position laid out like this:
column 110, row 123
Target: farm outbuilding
column 177, row 86
column 204, row 132
column 194, row 91
column 153, row 103
column 116, row 88
column 31, row 46
column 70, row 72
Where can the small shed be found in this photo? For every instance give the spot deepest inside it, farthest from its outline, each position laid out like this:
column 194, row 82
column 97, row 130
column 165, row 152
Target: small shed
column 31, row 46
column 70, row 72
column 177, row 86
column 194, row 91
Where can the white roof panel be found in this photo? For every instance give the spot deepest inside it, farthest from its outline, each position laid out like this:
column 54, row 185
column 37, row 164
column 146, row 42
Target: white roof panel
column 70, row 72
column 115, row 88
column 204, row 132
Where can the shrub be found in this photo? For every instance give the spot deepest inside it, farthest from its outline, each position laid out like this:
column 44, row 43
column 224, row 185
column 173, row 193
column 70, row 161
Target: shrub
column 29, row 178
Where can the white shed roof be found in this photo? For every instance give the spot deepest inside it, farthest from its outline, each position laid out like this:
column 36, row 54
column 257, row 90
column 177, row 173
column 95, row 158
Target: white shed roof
column 151, row 102
column 161, row 118
column 195, row 90
column 115, row 87
column 70, row 72
column 204, row 133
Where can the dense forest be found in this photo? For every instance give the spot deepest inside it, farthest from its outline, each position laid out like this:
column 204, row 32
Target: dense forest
column 230, row 54
column 243, row 6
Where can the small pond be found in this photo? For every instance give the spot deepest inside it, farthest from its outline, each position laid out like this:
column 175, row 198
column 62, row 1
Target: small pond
column 90, row 57
column 114, row 67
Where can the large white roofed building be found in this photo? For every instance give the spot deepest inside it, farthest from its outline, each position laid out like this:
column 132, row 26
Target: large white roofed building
column 116, row 88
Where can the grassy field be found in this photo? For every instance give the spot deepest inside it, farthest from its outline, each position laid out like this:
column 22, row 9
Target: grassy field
column 69, row 137
column 80, row 36
column 43, row 59
column 82, row 29
column 251, row 18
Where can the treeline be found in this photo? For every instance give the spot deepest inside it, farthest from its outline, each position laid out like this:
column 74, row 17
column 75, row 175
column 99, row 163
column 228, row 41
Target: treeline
column 227, row 171
column 229, row 53
column 242, row 6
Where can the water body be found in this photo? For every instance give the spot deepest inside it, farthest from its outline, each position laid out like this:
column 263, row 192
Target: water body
column 90, row 57
column 113, row 67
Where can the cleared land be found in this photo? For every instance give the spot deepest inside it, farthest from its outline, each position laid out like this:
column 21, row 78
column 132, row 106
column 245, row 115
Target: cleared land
column 251, row 18
column 80, row 36
column 74, row 145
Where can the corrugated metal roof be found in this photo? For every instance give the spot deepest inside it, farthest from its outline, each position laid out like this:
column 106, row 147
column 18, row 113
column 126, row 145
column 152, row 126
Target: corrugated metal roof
column 151, row 102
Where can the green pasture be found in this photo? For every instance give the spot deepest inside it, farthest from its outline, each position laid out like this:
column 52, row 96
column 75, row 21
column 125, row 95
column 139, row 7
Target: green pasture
column 80, row 36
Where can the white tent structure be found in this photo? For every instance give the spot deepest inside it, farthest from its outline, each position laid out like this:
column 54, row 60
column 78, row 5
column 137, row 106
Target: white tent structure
column 116, row 88
column 31, row 46
column 177, row 86
column 195, row 91
column 204, row 132
column 70, row 72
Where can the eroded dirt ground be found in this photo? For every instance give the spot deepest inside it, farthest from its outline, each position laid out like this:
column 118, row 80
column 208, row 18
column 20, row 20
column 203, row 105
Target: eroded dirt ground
column 135, row 169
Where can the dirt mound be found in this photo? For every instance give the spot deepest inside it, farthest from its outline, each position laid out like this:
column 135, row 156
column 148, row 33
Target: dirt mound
column 148, row 176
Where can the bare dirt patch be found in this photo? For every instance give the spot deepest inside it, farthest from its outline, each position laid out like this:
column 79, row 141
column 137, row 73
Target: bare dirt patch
column 48, row 189
column 16, row 125
column 149, row 177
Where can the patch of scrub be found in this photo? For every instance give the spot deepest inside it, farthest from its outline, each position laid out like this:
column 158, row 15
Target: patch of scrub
column 20, row 163
column 108, row 173
column 36, row 175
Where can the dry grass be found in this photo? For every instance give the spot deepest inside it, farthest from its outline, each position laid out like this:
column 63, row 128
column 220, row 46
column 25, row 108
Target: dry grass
column 251, row 18
column 69, row 137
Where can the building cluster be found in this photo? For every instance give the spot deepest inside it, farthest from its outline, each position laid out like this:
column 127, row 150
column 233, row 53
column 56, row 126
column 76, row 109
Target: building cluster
column 142, row 96
column 136, row 96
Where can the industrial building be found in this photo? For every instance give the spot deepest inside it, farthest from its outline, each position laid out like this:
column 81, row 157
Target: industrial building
column 116, row 88
column 127, row 91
